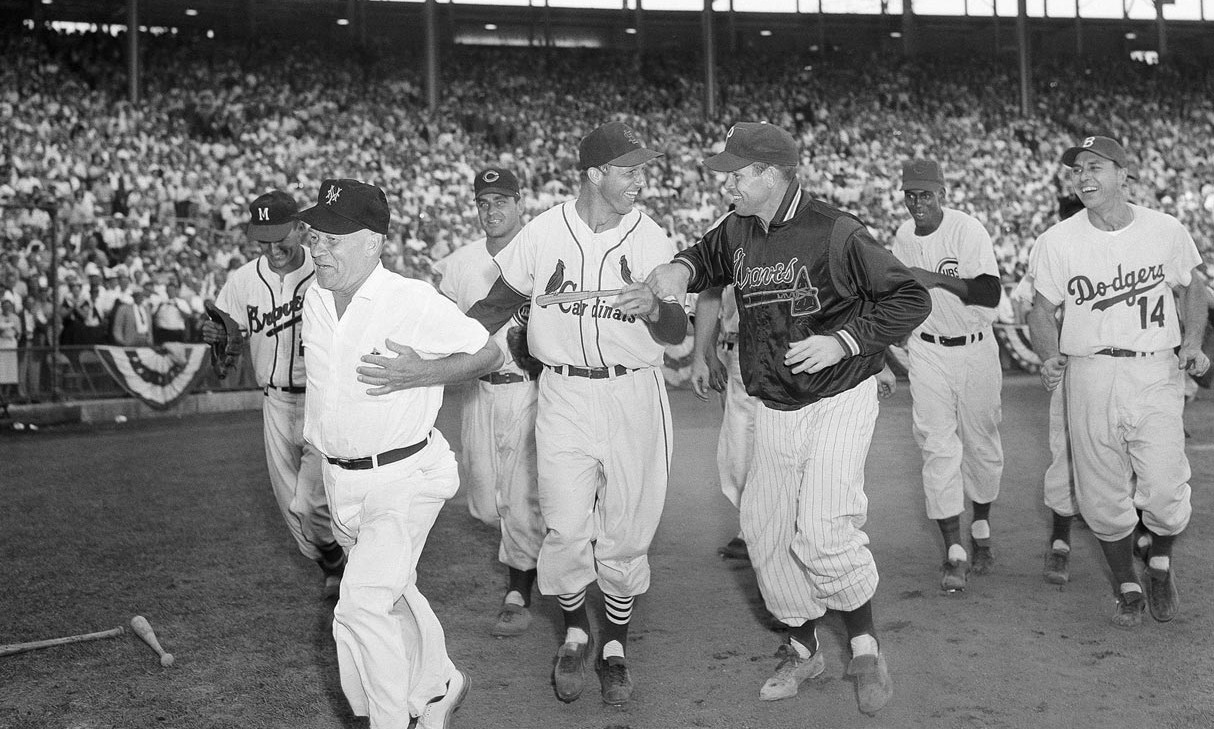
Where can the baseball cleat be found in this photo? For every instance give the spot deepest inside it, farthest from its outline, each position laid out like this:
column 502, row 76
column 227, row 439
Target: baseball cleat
column 874, row 688
column 569, row 674
column 1057, row 567
column 615, row 680
column 512, row 620
column 332, row 587
column 791, row 671
column 983, row 560
column 1130, row 607
column 1162, row 596
column 954, row 575
column 437, row 714
column 734, row 549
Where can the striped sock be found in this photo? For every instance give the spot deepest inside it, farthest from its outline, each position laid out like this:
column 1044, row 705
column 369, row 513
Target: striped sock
column 619, row 613
column 573, row 606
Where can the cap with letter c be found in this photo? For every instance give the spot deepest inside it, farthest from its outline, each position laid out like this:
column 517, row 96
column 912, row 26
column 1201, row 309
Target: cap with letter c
column 495, row 179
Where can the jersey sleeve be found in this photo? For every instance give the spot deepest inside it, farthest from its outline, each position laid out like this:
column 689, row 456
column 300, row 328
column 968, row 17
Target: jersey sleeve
column 517, row 261
column 1045, row 269
column 708, row 259
column 226, row 300
column 1185, row 259
column 977, row 252
column 899, row 303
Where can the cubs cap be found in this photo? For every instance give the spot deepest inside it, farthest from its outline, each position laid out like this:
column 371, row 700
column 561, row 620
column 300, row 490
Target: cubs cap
column 614, row 143
column 495, row 179
column 1101, row 146
column 271, row 216
column 346, row 206
column 922, row 174
column 749, row 142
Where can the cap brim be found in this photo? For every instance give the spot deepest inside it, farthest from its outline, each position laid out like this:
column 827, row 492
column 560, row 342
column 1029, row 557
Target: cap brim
column 638, row 156
column 929, row 185
column 726, row 162
column 1068, row 157
column 499, row 190
column 269, row 233
column 321, row 218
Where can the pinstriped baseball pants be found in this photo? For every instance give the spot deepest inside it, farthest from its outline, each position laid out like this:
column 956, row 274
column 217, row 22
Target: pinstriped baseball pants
column 804, row 506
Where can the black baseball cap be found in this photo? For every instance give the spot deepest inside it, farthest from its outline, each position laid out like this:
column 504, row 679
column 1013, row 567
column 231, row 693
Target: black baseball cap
column 495, row 179
column 346, row 206
column 271, row 216
column 1105, row 147
column 614, row 143
column 922, row 174
column 749, row 142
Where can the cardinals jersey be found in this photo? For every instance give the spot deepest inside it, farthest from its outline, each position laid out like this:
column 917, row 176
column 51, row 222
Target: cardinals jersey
column 468, row 273
column 557, row 251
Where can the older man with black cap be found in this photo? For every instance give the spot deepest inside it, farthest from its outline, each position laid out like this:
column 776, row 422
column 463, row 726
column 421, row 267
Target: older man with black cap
column 955, row 375
column 819, row 301
column 387, row 470
column 1122, row 351
column 603, row 430
column 265, row 298
column 497, row 427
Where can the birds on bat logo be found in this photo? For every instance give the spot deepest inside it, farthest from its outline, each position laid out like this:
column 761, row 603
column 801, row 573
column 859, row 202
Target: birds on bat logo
column 556, row 282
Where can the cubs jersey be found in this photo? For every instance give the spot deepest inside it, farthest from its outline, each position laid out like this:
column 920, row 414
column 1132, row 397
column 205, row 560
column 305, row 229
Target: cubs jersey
column 467, row 275
column 557, row 251
column 960, row 248
column 1115, row 287
column 813, row 270
column 268, row 309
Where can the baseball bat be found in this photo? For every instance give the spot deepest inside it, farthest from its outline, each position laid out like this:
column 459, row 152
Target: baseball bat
column 14, row 648
column 143, row 629
column 567, row 297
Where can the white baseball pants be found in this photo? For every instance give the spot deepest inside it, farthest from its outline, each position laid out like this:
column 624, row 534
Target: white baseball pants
column 294, row 467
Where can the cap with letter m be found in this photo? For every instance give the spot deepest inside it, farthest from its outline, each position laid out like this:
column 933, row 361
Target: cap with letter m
column 346, row 206
column 271, row 216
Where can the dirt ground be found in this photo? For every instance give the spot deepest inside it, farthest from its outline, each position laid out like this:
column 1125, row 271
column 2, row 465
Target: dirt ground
column 1011, row 651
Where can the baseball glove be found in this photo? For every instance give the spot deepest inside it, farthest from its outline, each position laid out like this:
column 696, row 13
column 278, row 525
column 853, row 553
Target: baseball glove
column 516, row 340
column 227, row 349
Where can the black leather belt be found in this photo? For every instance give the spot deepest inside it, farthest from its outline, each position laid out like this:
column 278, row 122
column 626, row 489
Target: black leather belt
column 368, row 462
column 504, row 378
column 951, row 341
column 594, row 373
column 291, row 389
column 1114, row 352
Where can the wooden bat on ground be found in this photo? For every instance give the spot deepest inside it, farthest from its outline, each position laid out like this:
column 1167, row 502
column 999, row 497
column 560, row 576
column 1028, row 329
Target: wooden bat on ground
column 143, row 629
column 14, row 648
column 566, row 297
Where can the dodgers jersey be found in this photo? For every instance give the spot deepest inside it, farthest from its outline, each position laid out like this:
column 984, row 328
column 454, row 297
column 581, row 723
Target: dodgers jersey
column 467, row 275
column 960, row 248
column 268, row 309
column 560, row 250
column 1115, row 287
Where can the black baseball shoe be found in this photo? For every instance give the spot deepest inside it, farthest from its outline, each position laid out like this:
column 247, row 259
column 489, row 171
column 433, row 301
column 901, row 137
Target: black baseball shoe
column 1130, row 607
column 734, row 549
column 1162, row 596
column 569, row 674
column 615, row 680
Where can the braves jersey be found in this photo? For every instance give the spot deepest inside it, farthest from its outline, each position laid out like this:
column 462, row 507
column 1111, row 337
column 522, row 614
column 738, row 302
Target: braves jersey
column 1115, row 287
column 268, row 309
column 557, row 251
column 813, row 270
column 467, row 275
column 960, row 247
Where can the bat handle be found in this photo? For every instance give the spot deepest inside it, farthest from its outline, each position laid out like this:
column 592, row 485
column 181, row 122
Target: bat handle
column 143, row 629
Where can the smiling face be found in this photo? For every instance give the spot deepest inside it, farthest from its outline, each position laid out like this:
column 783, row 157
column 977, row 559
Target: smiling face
column 753, row 190
column 924, row 207
column 1099, row 182
column 286, row 255
column 619, row 186
column 499, row 215
column 343, row 262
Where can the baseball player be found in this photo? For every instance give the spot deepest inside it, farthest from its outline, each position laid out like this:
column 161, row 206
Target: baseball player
column 1112, row 269
column 265, row 298
column 1058, row 486
column 498, row 423
column 954, row 369
column 819, row 301
column 603, row 429
column 387, row 471
column 716, row 326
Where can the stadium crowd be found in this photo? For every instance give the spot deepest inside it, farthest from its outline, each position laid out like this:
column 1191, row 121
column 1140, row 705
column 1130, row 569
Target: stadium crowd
column 147, row 202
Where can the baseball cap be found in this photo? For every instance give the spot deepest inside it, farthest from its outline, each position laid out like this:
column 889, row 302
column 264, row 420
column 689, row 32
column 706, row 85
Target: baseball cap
column 347, row 206
column 271, row 216
column 749, row 142
column 614, row 143
column 1102, row 146
column 922, row 174
column 495, row 179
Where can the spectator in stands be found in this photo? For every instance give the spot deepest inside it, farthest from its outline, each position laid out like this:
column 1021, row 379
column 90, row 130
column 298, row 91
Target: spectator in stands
column 133, row 321
column 171, row 316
